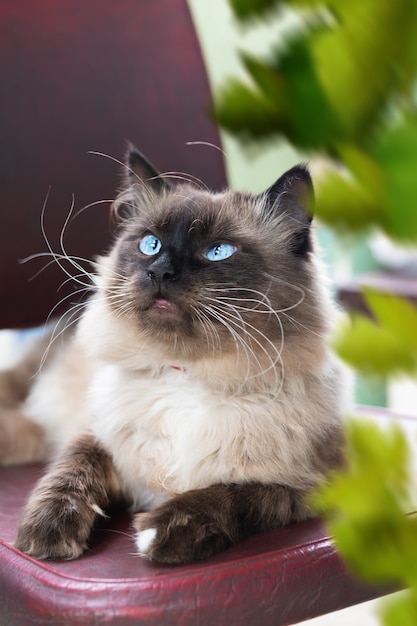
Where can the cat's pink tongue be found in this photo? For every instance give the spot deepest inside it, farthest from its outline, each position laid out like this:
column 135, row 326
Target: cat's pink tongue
column 165, row 305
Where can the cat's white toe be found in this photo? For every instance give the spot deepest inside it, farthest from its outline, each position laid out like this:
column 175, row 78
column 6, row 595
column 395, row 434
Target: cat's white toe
column 144, row 540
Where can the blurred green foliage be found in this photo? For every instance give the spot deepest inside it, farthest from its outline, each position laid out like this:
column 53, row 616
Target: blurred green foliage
column 380, row 538
column 342, row 86
column 369, row 509
column 384, row 345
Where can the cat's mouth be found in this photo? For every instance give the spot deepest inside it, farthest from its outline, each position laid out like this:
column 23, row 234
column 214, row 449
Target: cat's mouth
column 165, row 306
column 163, row 315
column 163, row 310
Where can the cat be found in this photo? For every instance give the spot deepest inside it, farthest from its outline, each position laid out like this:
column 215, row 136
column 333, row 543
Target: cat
column 198, row 388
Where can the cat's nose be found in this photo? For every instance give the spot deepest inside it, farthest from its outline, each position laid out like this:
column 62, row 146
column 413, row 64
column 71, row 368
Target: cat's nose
column 158, row 278
column 161, row 270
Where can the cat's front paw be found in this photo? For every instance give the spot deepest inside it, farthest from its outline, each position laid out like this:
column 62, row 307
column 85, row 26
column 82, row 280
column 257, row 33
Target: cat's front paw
column 187, row 528
column 57, row 527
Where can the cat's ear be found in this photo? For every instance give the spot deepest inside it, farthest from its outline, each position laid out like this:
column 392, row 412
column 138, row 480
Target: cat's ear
column 142, row 183
column 291, row 198
column 140, row 170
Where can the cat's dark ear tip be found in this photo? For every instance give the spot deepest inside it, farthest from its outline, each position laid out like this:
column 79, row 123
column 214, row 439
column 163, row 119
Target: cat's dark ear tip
column 130, row 147
column 140, row 170
column 133, row 155
column 298, row 181
column 292, row 196
column 301, row 172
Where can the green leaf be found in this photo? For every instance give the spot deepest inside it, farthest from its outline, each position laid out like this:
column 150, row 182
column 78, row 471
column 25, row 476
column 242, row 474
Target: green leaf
column 372, row 348
column 397, row 315
column 384, row 346
column 244, row 9
column 343, row 69
column 246, row 103
column 395, row 152
column 365, row 59
column 289, row 83
column 251, row 9
column 350, row 199
column 366, row 504
column 271, row 82
column 312, row 119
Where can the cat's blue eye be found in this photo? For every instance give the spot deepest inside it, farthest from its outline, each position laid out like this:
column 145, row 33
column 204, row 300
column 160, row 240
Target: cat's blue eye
column 220, row 251
column 150, row 245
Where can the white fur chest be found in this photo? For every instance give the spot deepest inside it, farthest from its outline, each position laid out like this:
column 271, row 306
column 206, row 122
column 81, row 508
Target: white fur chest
column 157, row 429
column 170, row 433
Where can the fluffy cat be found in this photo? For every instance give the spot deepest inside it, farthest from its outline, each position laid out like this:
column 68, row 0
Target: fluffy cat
column 198, row 388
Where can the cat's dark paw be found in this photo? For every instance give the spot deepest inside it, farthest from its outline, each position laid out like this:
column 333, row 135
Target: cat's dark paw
column 55, row 527
column 182, row 530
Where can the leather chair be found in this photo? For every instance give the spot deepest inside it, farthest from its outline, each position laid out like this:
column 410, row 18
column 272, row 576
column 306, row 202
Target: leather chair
column 85, row 76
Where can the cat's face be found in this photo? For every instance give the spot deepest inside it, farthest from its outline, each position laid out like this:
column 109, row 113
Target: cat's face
column 205, row 274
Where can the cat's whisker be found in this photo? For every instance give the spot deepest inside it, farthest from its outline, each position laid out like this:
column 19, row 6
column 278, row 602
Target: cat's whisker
column 188, row 178
column 54, row 256
column 211, row 311
column 87, row 287
column 125, row 197
column 70, row 317
column 210, row 331
column 113, row 296
column 244, row 309
column 90, row 205
column 235, row 318
column 58, row 258
column 286, row 283
column 209, row 145
column 267, row 305
column 297, row 324
column 243, row 325
column 228, row 301
column 263, row 297
column 227, row 289
column 73, row 260
column 129, row 198
column 122, row 308
column 238, row 340
column 115, row 531
column 61, row 302
column 62, row 234
column 123, row 165
column 237, row 321
column 117, row 277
